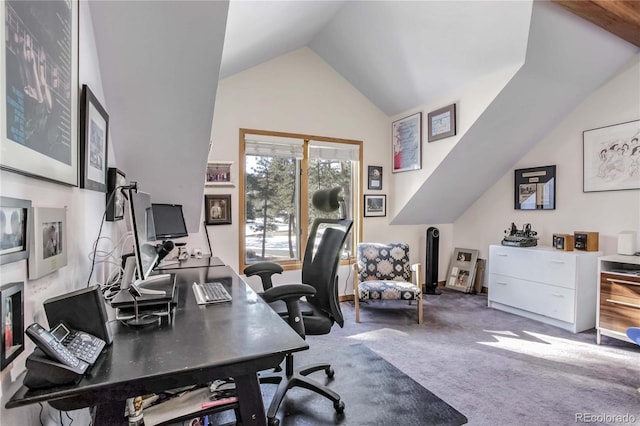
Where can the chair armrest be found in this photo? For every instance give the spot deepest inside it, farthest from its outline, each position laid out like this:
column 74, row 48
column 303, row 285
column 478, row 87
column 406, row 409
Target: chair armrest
column 291, row 294
column 416, row 268
column 264, row 270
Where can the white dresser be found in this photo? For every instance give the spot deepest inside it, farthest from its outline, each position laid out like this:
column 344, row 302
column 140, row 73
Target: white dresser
column 545, row 284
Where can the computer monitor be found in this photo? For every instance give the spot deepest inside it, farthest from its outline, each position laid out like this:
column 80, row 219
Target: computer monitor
column 142, row 226
column 169, row 221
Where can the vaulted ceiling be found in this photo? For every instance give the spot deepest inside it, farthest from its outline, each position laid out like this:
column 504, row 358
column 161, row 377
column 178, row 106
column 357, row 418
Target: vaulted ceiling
column 161, row 60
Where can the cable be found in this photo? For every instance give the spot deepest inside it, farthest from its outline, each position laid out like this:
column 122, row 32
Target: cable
column 61, row 422
column 40, row 414
column 69, row 416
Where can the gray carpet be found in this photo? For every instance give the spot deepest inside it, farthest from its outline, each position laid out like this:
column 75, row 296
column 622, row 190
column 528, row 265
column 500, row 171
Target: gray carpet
column 498, row 368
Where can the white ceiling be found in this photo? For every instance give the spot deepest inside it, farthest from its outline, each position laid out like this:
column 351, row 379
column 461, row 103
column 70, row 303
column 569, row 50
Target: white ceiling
column 398, row 54
column 161, row 61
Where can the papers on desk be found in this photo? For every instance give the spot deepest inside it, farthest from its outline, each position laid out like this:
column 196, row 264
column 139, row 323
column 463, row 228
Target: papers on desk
column 192, row 403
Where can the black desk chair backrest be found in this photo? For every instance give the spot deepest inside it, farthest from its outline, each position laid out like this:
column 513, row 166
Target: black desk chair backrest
column 320, row 287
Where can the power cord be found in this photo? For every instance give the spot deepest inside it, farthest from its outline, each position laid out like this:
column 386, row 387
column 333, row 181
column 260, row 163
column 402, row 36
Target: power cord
column 40, row 414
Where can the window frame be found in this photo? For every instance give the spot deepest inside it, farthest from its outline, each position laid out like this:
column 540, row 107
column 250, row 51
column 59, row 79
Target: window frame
column 304, row 190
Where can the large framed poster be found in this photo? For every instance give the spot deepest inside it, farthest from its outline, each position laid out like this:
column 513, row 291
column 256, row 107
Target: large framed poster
column 39, row 89
column 407, row 143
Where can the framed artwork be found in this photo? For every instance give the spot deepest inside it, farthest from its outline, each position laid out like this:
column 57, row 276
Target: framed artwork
column 535, row 188
column 94, row 134
column 12, row 310
column 14, row 239
column 48, row 241
column 374, row 180
column 375, row 205
column 462, row 270
column 39, row 89
column 611, row 157
column 217, row 209
column 115, row 198
column 220, row 174
column 442, row 123
column 407, row 143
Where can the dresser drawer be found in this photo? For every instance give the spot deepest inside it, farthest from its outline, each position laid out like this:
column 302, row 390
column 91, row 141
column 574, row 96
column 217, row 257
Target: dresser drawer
column 549, row 267
column 551, row 301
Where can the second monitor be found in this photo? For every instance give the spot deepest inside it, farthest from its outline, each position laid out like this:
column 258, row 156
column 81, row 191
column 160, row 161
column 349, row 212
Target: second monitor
column 169, row 221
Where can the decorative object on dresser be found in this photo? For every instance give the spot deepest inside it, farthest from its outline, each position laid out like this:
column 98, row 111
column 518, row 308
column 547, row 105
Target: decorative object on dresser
column 462, row 270
column 618, row 296
column 563, row 242
column 587, row 241
column 535, row 188
column 544, row 284
column 627, row 242
column 520, row 238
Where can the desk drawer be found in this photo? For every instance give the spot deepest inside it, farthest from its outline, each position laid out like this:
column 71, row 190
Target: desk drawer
column 551, row 301
column 616, row 315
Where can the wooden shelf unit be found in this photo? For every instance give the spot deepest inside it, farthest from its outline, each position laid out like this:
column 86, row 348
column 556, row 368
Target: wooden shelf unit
column 618, row 296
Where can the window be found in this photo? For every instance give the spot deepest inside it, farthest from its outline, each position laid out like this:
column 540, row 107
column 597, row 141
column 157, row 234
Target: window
column 279, row 174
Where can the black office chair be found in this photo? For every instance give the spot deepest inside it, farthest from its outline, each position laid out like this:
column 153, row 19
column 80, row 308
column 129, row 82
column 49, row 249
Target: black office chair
column 320, row 287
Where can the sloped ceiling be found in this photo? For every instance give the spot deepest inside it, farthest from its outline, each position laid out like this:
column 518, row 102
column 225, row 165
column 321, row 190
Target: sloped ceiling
column 161, row 61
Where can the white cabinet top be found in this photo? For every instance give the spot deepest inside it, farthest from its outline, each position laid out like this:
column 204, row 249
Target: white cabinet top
column 621, row 258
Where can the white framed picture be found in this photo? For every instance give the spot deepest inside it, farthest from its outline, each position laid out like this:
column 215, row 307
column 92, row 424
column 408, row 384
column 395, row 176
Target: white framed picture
column 49, row 248
column 220, row 173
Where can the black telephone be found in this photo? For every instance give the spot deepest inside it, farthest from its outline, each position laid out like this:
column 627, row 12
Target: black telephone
column 53, row 363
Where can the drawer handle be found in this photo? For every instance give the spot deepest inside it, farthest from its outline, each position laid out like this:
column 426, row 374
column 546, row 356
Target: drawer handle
column 557, row 295
column 614, row 280
column 617, row 302
column 501, row 282
column 558, row 261
column 503, row 254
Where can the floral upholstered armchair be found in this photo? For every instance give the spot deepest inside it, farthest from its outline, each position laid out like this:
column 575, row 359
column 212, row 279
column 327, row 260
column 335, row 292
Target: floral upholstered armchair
column 383, row 272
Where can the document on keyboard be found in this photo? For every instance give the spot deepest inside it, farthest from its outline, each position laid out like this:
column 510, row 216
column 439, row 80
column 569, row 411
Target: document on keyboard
column 213, row 292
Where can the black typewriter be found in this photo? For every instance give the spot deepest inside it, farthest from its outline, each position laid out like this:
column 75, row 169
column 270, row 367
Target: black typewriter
column 526, row 237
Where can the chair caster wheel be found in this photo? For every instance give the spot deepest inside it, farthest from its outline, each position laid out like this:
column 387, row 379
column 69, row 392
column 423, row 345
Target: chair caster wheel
column 329, row 371
column 273, row 422
column 339, row 406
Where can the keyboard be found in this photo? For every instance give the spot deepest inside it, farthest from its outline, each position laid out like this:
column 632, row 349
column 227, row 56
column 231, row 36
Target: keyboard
column 213, row 292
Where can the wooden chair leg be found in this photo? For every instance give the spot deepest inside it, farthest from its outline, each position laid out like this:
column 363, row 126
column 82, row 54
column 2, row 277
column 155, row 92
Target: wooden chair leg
column 420, row 320
column 356, row 300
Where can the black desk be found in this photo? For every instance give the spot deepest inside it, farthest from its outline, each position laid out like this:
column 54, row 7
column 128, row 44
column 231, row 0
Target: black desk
column 200, row 344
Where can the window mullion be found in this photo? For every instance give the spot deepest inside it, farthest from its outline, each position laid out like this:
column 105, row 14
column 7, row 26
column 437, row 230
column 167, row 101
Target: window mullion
column 304, row 196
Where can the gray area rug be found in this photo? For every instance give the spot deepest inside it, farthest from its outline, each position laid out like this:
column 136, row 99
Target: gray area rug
column 498, row 368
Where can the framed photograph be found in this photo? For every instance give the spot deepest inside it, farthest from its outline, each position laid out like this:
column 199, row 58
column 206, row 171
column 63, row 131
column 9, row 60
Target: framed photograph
column 94, row 134
column 407, row 143
column 374, row 177
column 12, row 310
column 611, row 157
column 48, row 241
column 462, row 270
column 115, row 200
column 217, row 209
column 220, row 174
column 14, row 238
column 535, row 188
column 39, row 89
column 442, row 123
column 375, row 205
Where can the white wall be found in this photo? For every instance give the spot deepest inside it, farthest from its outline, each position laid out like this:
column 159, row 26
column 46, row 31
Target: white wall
column 84, row 213
column 299, row 93
column 608, row 213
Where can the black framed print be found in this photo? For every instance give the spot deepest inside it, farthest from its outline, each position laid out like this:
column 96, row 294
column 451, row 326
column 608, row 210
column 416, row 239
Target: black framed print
column 94, row 133
column 12, row 311
column 116, row 179
column 375, row 205
column 217, row 209
column 535, row 188
column 374, row 175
